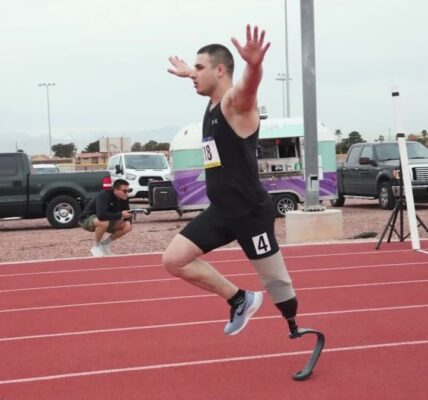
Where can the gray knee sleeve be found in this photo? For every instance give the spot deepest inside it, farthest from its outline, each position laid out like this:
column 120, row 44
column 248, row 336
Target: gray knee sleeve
column 274, row 277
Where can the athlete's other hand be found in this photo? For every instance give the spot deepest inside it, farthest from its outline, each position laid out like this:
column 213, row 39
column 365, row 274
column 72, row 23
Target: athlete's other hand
column 253, row 52
column 180, row 69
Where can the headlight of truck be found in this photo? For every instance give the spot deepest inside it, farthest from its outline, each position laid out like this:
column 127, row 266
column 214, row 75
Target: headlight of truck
column 168, row 177
column 130, row 177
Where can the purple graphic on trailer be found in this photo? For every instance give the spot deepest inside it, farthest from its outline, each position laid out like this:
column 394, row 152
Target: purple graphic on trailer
column 190, row 186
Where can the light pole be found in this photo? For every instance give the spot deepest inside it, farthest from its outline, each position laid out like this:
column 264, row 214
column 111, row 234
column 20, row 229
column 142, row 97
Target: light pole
column 49, row 116
column 287, row 74
column 281, row 77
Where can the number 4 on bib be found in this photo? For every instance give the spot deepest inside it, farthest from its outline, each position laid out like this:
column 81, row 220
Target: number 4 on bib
column 261, row 243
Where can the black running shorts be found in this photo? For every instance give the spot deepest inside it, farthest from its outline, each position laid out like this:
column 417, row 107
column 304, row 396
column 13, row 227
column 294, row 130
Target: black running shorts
column 254, row 232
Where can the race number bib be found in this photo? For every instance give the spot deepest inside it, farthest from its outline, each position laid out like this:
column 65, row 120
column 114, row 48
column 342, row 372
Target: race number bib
column 211, row 156
column 261, row 244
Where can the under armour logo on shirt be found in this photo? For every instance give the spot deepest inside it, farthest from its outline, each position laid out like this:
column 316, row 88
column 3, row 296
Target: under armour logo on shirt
column 214, row 121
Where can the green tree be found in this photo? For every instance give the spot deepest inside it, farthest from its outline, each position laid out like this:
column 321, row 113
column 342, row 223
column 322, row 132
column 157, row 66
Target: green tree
column 338, row 135
column 137, row 146
column 150, row 146
column 424, row 136
column 355, row 137
column 345, row 144
column 342, row 147
column 64, row 150
column 162, row 146
column 93, row 147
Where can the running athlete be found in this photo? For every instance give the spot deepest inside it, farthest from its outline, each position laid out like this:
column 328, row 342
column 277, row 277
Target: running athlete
column 240, row 207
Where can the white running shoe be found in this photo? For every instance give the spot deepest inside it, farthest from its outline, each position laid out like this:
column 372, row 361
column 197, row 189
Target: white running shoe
column 97, row 250
column 241, row 314
column 106, row 249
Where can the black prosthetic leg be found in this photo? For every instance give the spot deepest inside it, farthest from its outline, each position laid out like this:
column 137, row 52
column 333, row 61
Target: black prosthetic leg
column 288, row 309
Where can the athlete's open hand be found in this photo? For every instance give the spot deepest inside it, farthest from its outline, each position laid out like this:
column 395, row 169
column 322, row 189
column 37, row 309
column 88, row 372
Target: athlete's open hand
column 180, row 69
column 253, row 51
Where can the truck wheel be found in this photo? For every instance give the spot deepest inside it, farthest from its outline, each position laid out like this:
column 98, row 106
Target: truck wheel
column 283, row 203
column 385, row 196
column 63, row 212
column 339, row 202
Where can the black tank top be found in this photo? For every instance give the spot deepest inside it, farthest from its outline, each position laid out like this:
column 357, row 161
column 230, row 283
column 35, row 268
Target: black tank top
column 234, row 188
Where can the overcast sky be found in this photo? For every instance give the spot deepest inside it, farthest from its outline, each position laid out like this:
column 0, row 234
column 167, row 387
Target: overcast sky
column 108, row 60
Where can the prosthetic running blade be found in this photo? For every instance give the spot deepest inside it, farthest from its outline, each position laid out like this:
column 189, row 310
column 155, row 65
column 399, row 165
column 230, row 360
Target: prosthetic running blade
column 306, row 372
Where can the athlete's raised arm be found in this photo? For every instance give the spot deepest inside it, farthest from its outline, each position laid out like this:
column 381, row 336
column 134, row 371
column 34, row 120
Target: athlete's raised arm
column 244, row 94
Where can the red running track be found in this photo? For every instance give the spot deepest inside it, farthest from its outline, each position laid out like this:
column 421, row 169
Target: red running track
column 122, row 328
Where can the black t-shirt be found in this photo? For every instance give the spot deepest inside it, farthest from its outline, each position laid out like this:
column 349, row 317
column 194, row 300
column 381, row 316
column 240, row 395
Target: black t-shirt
column 233, row 188
column 106, row 206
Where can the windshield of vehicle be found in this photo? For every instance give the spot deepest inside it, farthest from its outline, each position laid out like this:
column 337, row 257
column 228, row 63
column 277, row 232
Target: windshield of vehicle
column 145, row 161
column 389, row 151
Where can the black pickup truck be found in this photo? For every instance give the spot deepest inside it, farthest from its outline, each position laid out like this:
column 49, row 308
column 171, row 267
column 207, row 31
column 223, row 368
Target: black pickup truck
column 59, row 197
column 372, row 170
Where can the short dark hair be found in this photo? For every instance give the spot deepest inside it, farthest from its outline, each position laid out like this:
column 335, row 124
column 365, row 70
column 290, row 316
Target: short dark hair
column 119, row 182
column 219, row 55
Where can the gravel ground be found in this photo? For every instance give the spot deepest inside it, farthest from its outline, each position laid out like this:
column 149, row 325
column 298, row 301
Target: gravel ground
column 25, row 240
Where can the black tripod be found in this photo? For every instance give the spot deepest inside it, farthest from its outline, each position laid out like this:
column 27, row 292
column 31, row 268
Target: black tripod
column 400, row 204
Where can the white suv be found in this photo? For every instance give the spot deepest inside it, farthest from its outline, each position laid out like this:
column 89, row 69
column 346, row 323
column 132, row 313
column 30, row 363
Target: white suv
column 138, row 168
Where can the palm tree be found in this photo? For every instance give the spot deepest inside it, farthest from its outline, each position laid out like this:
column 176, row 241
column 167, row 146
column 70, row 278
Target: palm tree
column 338, row 134
column 424, row 135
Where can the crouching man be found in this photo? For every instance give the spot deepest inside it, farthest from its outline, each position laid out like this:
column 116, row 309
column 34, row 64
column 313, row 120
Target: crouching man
column 108, row 212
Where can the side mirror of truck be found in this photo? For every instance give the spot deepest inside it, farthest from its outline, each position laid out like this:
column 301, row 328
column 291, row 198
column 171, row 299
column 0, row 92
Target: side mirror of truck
column 367, row 161
column 118, row 169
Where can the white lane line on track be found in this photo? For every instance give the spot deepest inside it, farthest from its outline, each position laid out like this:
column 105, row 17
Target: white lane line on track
column 158, row 265
column 195, row 323
column 224, row 249
column 142, row 281
column 67, row 271
column 204, row 295
column 81, row 285
column 305, row 270
column 208, row 362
